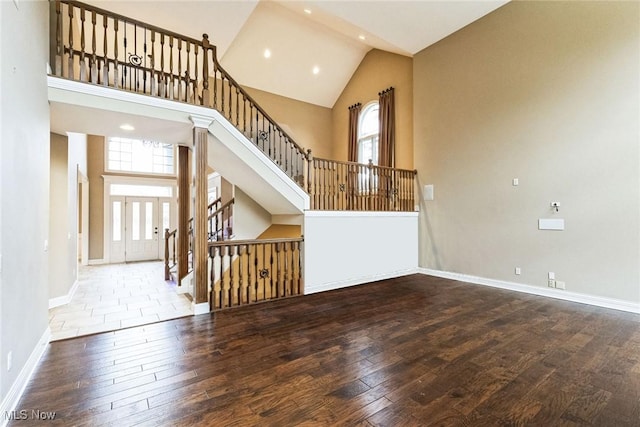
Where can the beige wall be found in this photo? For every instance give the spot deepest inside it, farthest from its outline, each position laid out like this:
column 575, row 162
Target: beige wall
column 309, row 125
column 68, row 157
column 24, row 187
column 249, row 218
column 378, row 71
column 95, row 166
column 546, row 92
column 59, row 274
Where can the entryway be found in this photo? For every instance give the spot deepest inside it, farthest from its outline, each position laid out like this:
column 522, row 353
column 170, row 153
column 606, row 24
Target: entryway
column 137, row 227
column 117, row 296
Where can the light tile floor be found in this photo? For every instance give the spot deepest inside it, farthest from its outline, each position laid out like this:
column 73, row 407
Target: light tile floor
column 117, row 296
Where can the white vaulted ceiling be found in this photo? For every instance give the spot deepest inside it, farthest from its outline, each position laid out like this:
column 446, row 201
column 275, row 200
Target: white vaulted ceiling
column 327, row 38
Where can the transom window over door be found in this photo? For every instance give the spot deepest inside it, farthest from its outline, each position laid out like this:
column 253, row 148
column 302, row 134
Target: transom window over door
column 137, row 156
column 368, row 133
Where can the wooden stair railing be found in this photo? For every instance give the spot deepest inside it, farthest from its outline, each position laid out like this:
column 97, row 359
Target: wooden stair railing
column 245, row 272
column 220, row 226
column 96, row 46
column 336, row 185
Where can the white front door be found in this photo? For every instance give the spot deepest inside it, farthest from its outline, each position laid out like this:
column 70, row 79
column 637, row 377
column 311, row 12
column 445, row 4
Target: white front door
column 142, row 228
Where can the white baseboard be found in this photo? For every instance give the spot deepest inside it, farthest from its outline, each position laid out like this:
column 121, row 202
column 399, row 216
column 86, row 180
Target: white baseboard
column 14, row 394
column 97, row 261
column 357, row 281
column 65, row 299
column 201, row 308
column 612, row 303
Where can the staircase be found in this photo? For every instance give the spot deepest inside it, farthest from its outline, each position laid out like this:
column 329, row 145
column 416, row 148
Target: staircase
column 245, row 144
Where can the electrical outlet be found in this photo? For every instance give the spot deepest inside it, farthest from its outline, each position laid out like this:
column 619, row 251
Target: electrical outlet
column 518, row 271
column 552, row 283
column 9, row 360
column 560, row 285
column 552, row 275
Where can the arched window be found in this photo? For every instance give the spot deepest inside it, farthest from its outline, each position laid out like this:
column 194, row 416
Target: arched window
column 368, row 133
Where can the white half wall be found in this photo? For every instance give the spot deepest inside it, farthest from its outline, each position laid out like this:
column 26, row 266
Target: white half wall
column 344, row 249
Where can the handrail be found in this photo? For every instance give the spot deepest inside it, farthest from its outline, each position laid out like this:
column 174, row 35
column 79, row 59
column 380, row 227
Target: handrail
column 342, row 162
column 264, row 113
column 252, row 241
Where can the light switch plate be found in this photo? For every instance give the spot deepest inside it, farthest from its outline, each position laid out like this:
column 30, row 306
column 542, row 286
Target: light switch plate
column 551, row 224
column 428, row 192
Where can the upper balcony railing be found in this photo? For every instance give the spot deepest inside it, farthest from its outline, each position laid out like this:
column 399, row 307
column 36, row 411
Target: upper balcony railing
column 100, row 47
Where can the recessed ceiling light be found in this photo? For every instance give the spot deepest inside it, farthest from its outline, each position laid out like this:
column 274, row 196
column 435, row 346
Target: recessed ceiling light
column 362, row 37
column 127, row 127
column 307, row 11
column 316, row 69
column 267, row 53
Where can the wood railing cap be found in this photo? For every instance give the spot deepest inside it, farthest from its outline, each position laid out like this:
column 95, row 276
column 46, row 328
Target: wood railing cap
column 254, row 242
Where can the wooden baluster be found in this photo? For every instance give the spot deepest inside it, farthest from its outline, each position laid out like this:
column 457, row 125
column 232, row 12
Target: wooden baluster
column 241, row 283
column 215, row 84
column 237, row 107
column 205, row 70
column 271, row 270
column 174, row 252
column 232, row 283
column 171, row 79
column 309, row 172
column 125, row 62
column 279, row 151
column 296, row 273
column 222, row 77
column 325, row 192
column 278, row 272
column 287, row 274
column 257, row 272
column 116, row 71
column 334, row 185
column 144, row 70
column 162, row 82
column 216, row 296
column 152, row 61
column 57, row 69
column 224, row 302
column 230, row 101
column 244, row 115
column 83, row 70
column 252, row 134
column 93, row 73
column 215, row 289
column 195, row 74
column 180, row 84
column 105, row 48
column 249, row 277
column 70, row 70
column 187, row 74
column 316, row 179
column 167, row 273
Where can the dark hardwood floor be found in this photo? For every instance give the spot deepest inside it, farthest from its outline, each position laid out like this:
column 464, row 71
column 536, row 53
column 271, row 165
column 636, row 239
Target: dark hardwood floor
column 411, row 351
